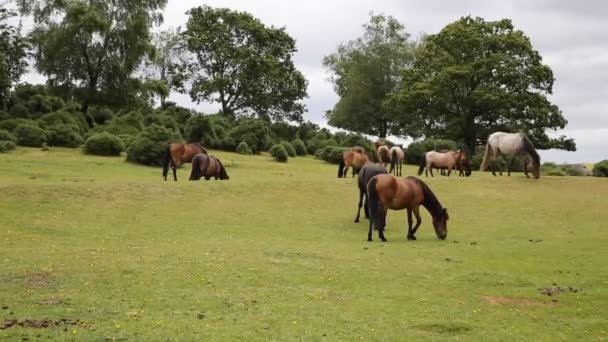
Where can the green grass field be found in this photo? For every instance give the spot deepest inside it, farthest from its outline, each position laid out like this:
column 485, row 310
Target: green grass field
column 273, row 254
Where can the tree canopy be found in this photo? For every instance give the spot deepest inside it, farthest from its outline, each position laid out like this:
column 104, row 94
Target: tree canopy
column 242, row 64
column 365, row 71
column 476, row 77
column 93, row 46
column 13, row 53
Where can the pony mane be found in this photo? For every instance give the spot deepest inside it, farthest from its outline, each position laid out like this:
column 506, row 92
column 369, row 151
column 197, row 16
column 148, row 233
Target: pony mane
column 531, row 151
column 430, row 202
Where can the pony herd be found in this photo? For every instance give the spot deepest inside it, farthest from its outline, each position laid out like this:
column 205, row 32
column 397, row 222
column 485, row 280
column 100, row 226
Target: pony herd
column 380, row 190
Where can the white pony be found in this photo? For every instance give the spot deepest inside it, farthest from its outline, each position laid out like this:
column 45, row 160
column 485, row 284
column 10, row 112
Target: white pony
column 397, row 159
column 513, row 145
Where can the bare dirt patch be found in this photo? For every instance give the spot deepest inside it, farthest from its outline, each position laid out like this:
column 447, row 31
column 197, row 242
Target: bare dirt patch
column 555, row 290
column 39, row 323
column 492, row 300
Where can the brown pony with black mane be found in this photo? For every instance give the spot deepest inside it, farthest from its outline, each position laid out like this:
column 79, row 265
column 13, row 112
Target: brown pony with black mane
column 352, row 159
column 177, row 154
column 389, row 192
column 207, row 167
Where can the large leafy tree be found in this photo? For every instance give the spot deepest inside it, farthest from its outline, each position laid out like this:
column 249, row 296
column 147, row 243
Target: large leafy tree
column 242, row 64
column 13, row 53
column 161, row 67
column 94, row 45
column 476, row 77
column 365, row 71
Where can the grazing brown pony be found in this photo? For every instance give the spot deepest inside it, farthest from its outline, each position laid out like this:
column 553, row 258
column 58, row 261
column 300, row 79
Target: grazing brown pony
column 384, row 155
column 177, row 154
column 207, row 166
column 366, row 173
column 352, row 159
column 397, row 158
column 433, row 159
column 389, row 192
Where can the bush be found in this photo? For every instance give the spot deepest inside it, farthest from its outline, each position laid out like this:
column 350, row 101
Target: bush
column 19, row 110
column 600, row 169
column 11, row 124
column 64, row 135
column 243, row 148
column 6, row 145
column 149, row 146
column 299, row 146
column 102, row 115
column 291, row 151
column 279, row 153
column 331, row 154
column 131, row 123
column 30, row 135
column 254, row 132
column 104, row 144
column 7, row 136
column 127, row 140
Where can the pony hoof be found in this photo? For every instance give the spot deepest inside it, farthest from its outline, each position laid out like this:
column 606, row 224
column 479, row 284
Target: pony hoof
column 383, row 239
column 411, row 237
column 369, row 239
column 356, row 221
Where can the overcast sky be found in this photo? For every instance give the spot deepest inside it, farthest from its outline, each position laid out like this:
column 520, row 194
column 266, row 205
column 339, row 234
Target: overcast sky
column 570, row 35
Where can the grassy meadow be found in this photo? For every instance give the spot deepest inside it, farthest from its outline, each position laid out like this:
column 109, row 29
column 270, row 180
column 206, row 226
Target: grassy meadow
column 273, row 254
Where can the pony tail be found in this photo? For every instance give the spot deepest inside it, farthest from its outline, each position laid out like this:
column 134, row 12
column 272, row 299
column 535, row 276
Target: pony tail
column 166, row 161
column 422, row 164
column 484, row 161
column 394, row 159
column 341, row 165
column 374, row 206
column 195, row 174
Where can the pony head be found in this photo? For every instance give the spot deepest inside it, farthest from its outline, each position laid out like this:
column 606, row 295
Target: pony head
column 440, row 222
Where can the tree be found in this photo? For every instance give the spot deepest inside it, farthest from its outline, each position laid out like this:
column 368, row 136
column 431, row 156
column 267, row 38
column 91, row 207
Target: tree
column 95, row 45
column 162, row 65
column 13, row 53
column 476, row 77
column 242, row 64
column 365, row 71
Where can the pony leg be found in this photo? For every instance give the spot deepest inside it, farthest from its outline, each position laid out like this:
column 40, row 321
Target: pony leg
column 418, row 222
column 359, row 206
column 365, row 212
column 381, row 229
column 431, row 170
column 409, row 223
column 449, row 171
column 526, row 168
column 174, row 167
column 509, row 166
column 369, row 233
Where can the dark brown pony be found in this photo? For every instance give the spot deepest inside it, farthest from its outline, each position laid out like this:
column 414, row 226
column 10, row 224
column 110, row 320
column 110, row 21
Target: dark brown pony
column 389, row 192
column 177, row 154
column 368, row 171
column 207, row 166
column 352, row 159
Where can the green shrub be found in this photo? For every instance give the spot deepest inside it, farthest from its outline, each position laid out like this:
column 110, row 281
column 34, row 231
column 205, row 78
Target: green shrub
column 64, row 135
column 19, row 110
column 600, row 169
column 6, row 145
column 279, row 153
column 30, row 135
column 243, row 148
column 11, row 124
column 104, row 144
column 149, row 146
column 291, row 151
column 556, row 172
column 254, row 132
column 127, row 140
column 299, row 146
column 331, row 154
column 7, row 136
column 131, row 123
column 102, row 115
